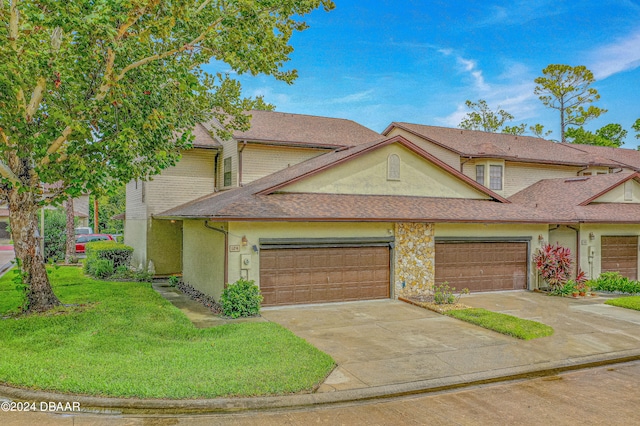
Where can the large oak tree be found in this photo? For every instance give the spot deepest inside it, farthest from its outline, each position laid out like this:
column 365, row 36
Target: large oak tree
column 94, row 93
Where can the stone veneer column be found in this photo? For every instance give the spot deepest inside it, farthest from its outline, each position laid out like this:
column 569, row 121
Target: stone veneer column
column 414, row 259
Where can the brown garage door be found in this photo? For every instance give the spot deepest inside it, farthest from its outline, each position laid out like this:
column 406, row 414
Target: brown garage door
column 482, row 266
column 620, row 254
column 317, row 275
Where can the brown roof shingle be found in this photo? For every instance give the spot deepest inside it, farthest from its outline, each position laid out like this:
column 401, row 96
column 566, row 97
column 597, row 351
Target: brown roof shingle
column 304, row 130
column 474, row 143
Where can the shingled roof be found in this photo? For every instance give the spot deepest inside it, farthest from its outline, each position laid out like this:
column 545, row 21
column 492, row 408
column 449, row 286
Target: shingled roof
column 629, row 158
column 570, row 199
column 474, row 143
column 304, row 130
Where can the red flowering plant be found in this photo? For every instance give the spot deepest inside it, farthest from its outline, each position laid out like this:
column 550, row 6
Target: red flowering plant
column 553, row 262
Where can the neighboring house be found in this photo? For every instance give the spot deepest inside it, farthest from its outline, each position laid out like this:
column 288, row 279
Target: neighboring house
column 274, row 142
column 389, row 215
column 80, row 211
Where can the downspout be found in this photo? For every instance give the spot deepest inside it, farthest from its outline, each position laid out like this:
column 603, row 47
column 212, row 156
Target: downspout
column 215, row 171
column 243, row 146
column 464, row 162
column 226, row 250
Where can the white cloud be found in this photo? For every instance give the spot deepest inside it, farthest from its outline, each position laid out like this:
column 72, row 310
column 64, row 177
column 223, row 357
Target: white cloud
column 622, row 55
column 354, row 97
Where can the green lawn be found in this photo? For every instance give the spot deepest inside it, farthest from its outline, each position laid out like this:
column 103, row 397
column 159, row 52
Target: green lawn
column 503, row 323
column 629, row 302
column 128, row 341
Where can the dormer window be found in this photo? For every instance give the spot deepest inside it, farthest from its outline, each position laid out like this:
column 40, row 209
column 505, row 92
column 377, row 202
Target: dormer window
column 495, row 177
column 480, row 174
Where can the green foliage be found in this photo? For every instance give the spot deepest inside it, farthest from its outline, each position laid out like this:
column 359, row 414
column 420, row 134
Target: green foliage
column 101, row 268
column 55, row 236
column 241, row 299
column 99, row 253
column 174, row 280
column 539, row 131
column 124, row 340
column 565, row 289
column 444, row 295
column 567, row 89
column 629, row 302
column 610, row 135
column 503, row 323
column 482, row 118
column 108, row 206
column 636, row 126
column 614, row 282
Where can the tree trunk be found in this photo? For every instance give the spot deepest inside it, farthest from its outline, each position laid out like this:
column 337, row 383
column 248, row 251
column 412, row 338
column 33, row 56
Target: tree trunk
column 70, row 249
column 24, row 227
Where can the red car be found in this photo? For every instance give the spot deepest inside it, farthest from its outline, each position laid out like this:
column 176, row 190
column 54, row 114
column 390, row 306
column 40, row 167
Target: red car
column 87, row 238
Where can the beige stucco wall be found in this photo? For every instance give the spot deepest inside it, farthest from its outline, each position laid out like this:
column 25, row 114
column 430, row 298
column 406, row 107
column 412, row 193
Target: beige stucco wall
column 367, row 174
column 261, row 160
column 164, row 246
column 565, row 237
column 617, row 194
column 443, row 154
column 591, row 264
column 203, row 257
column 135, row 235
column 506, row 231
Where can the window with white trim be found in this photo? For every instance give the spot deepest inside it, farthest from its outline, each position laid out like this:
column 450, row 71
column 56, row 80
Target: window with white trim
column 480, row 173
column 227, row 171
column 495, row 177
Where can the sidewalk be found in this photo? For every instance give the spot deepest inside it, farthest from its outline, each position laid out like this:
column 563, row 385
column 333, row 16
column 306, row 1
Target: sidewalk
column 6, row 256
column 388, row 348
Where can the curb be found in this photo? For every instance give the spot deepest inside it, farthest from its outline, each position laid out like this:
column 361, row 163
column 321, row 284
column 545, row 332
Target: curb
column 229, row 405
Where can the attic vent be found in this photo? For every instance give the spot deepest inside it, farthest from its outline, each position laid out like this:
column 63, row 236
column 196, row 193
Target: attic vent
column 576, row 179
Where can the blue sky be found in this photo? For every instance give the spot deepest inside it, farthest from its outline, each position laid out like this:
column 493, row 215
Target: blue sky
column 380, row 61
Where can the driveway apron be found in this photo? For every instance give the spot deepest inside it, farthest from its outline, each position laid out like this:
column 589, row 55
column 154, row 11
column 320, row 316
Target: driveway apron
column 380, row 343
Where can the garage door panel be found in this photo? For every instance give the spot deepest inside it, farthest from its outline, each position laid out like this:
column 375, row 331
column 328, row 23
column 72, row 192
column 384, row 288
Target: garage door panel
column 620, row 254
column 317, row 275
column 482, row 266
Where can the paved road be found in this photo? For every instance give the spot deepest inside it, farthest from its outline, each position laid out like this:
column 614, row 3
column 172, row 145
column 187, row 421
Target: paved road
column 604, row 395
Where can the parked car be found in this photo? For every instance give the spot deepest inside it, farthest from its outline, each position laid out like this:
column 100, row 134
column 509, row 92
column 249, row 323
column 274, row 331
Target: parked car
column 87, row 238
column 84, row 230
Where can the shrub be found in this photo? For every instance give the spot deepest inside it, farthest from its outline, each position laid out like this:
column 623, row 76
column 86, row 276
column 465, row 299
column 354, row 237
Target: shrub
column 241, row 299
column 553, row 262
column 174, row 280
column 613, row 281
column 444, row 295
column 102, row 268
column 566, row 289
column 55, row 236
column 118, row 255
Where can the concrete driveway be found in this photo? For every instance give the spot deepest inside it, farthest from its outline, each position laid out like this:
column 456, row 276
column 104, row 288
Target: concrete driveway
column 387, row 342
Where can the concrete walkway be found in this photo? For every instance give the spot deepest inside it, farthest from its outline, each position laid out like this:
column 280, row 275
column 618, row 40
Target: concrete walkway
column 389, row 348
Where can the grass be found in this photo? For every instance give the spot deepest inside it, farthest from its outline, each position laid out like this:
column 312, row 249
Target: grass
column 629, row 302
column 503, row 323
column 127, row 341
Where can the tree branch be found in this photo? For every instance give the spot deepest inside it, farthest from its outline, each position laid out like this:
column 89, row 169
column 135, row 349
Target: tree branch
column 13, row 22
column 203, row 5
column 108, row 71
column 166, row 54
column 133, row 19
column 7, row 173
column 36, row 98
column 5, row 138
column 55, row 146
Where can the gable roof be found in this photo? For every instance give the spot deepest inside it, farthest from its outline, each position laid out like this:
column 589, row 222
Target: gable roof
column 203, row 139
column 475, row 143
column 569, row 199
column 279, row 128
column 260, row 200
